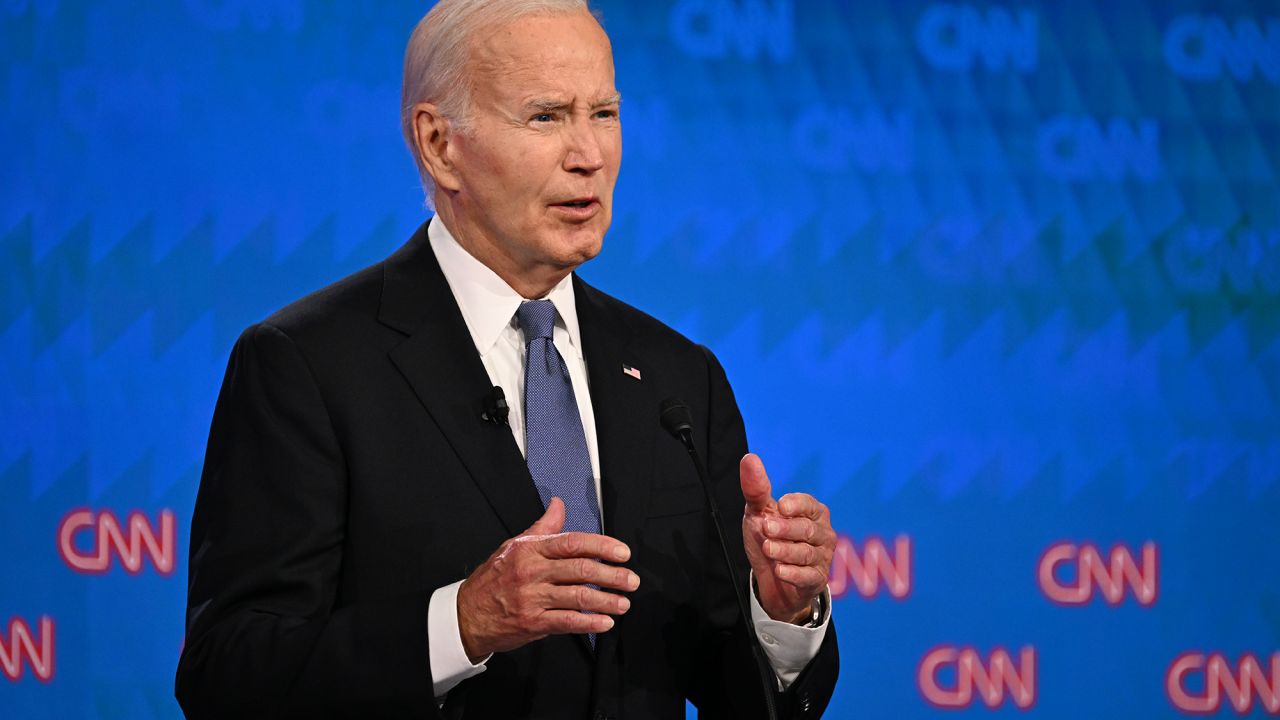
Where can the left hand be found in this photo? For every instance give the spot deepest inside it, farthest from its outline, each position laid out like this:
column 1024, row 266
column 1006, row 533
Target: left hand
column 789, row 543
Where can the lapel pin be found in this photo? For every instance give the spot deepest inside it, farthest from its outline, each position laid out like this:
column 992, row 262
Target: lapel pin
column 630, row 371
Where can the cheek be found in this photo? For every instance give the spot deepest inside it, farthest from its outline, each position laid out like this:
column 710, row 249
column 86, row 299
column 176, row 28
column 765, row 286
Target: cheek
column 493, row 167
column 613, row 154
column 520, row 173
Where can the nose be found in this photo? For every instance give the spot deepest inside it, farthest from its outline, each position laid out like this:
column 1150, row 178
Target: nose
column 583, row 152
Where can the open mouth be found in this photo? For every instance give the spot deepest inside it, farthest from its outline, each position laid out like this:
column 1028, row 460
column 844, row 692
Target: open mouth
column 576, row 203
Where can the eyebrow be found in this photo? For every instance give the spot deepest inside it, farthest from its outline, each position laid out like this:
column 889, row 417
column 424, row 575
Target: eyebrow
column 547, row 104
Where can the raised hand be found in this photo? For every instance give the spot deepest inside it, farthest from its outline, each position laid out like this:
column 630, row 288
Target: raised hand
column 789, row 543
column 538, row 583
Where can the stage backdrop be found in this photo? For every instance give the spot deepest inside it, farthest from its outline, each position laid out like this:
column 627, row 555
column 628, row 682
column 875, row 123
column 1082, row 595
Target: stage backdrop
column 1000, row 282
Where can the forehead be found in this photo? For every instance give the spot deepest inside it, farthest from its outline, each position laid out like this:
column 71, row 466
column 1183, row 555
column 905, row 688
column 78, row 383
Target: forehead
column 544, row 53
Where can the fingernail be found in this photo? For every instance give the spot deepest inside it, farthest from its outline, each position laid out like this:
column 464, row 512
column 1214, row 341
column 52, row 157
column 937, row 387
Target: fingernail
column 623, row 605
column 771, row 527
column 621, row 553
column 633, row 582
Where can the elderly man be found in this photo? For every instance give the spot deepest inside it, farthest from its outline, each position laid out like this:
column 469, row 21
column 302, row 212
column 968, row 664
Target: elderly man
column 377, row 535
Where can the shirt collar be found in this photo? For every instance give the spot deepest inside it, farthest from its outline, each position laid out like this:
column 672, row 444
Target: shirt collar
column 487, row 302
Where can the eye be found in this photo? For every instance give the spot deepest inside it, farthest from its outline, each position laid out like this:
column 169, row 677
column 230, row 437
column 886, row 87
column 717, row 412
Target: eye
column 608, row 114
column 542, row 118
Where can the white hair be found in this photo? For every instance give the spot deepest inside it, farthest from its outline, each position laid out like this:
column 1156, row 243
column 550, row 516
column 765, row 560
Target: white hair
column 435, row 60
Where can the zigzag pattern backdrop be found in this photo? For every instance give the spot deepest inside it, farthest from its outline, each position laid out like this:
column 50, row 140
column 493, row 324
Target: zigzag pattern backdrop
column 998, row 281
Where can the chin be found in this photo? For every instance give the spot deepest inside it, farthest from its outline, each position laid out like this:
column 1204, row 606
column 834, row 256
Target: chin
column 579, row 254
column 581, row 245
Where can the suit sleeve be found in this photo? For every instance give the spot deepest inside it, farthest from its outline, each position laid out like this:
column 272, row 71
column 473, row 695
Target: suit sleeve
column 731, row 688
column 265, row 637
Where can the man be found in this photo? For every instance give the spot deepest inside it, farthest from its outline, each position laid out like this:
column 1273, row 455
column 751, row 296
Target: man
column 374, row 537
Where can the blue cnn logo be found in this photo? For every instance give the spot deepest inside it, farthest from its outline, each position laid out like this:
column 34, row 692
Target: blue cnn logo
column 1085, row 148
column 955, row 37
column 713, row 29
column 839, row 139
column 1209, row 260
column 1203, row 47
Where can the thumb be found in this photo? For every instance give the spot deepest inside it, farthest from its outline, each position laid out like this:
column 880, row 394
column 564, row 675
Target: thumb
column 551, row 522
column 755, row 484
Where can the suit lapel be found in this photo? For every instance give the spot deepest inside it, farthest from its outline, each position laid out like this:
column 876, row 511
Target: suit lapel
column 440, row 363
column 626, row 414
column 626, row 420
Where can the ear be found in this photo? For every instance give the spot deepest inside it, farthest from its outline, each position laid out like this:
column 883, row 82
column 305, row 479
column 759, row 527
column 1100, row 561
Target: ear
column 433, row 135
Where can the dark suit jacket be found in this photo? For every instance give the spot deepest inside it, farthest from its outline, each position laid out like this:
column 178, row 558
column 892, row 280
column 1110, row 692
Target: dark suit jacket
column 349, row 474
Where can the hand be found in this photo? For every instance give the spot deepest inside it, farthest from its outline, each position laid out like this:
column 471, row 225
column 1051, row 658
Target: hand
column 536, row 584
column 789, row 543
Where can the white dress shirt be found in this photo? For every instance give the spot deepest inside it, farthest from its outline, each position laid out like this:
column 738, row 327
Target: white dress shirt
column 488, row 306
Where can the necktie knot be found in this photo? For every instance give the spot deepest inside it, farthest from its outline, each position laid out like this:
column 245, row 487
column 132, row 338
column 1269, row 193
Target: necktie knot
column 537, row 319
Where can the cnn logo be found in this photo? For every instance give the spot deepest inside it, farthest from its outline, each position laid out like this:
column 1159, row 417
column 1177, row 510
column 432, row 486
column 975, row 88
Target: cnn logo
column 865, row 571
column 1111, row 577
column 107, row 536
column 21, row 644
column 1241, row 684
column 951, row 677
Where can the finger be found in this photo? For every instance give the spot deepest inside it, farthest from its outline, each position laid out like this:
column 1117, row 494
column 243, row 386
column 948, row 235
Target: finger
column 791, row 553
column 584, row 597
column 565, row 622
column 805, row 578
column 551, row 522
column 581, row 571
column 586, row 545
column 802, row 505
column 755, row 484
column 794, row 529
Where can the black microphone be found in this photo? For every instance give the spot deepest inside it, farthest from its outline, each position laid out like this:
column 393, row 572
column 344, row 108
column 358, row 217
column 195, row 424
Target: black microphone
column 495, row 406
column 678, row 420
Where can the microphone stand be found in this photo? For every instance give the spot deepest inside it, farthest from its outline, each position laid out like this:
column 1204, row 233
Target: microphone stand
column 677, row 420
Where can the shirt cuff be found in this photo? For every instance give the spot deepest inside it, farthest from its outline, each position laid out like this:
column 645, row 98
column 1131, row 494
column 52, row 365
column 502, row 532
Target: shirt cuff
column 449, row 662
column 788, row 647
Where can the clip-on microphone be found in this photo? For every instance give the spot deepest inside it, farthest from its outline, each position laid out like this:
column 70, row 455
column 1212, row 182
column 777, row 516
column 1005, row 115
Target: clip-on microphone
column 495, row 407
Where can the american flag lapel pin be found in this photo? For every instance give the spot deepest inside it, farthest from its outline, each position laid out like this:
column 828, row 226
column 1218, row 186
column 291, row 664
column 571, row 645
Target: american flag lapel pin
column 630, row 371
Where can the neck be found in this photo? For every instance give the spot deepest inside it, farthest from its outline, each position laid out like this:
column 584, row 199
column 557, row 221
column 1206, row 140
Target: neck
column 530, row 281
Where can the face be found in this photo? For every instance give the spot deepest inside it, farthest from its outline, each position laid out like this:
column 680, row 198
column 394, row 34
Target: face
column 534, row 169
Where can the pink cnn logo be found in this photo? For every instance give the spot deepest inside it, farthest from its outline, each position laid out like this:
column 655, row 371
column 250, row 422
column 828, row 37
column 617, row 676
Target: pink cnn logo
column 21, row 645
column 1241, row 685
column 1111, row 576
column 990, row 679
column 107, row 536
column 866, row 571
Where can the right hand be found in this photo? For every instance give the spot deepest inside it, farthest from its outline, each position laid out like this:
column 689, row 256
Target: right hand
column 537, row 584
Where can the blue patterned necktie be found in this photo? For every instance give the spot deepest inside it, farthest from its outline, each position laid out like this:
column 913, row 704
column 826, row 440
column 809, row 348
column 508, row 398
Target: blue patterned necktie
column 556, row 447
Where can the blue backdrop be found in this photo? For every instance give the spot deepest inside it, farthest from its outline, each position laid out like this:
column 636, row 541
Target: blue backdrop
column 999, row 282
